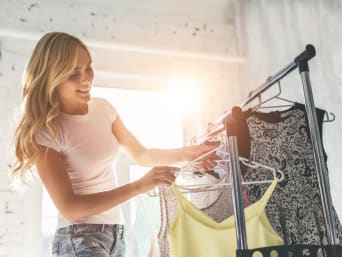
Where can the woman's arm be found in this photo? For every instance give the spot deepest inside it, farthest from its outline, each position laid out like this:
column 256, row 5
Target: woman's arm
column 50, row 166
column 154, row 157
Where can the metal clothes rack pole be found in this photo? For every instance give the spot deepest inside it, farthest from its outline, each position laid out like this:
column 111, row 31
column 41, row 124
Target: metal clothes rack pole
column 240, row 225
column 300, row 61
column 321, row 169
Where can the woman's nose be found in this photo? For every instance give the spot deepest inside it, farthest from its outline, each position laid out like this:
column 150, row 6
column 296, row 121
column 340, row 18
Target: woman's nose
column 87, row 78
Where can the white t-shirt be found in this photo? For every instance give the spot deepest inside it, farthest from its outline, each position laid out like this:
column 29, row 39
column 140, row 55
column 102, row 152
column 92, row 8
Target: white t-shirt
column 89, row 149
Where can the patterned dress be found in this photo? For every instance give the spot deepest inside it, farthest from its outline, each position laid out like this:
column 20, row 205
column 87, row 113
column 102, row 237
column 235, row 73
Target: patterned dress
column 282, row 140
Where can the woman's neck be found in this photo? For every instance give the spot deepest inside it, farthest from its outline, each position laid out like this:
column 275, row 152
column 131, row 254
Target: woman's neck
column 80, row 109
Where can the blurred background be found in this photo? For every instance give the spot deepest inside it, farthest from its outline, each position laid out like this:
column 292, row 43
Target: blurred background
column 170, row 68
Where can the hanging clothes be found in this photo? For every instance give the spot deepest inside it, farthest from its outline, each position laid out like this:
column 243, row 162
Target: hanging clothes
column 193, row 233
column 282, row 140
column 216, row 204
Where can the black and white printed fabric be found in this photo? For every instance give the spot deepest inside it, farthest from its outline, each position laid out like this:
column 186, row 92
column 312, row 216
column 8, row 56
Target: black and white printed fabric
column 282, row 140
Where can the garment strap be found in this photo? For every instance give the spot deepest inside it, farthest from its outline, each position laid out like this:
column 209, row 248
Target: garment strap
column 263, row 201
column 267, row 195
column 178, row 194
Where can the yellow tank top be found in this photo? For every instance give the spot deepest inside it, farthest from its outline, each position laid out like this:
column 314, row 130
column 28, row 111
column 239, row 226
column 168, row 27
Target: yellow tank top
column 195, row 234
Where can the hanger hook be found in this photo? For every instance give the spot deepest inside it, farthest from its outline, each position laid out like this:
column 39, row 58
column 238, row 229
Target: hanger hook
column 279, row 87
column 328, row 118
column 282, row 176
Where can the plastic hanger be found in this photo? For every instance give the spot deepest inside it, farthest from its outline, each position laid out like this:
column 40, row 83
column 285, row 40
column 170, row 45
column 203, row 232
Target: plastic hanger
column 328, row 116
column 260, row 105
column 190, row 170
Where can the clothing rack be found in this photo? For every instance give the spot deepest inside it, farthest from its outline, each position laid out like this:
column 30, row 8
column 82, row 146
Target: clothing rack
column 218, row 125
column 301, row 61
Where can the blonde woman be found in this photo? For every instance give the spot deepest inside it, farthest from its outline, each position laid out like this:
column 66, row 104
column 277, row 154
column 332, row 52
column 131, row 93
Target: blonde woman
column 73, row 139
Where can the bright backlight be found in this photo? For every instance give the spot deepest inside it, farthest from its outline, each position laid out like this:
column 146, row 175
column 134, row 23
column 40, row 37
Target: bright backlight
column 186, row 94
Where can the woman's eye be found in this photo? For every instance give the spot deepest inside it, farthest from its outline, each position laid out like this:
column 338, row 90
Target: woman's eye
column 74, row 75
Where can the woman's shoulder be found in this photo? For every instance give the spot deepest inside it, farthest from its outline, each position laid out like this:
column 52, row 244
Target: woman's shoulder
column 103, row 104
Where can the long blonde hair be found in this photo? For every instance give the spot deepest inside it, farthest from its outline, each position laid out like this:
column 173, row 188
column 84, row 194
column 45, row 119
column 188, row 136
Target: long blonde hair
column 52, row 62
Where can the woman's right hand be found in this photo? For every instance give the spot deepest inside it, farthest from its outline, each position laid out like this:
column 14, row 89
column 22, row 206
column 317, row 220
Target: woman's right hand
column 160, row 175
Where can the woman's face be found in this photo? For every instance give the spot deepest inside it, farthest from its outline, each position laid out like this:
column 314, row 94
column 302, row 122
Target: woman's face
column 76, row 89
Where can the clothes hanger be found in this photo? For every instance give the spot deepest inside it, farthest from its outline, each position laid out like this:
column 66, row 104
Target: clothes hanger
column 260, row 105
column 220, row 183
column 252, row 164
column 221, row 149
column 328, row 116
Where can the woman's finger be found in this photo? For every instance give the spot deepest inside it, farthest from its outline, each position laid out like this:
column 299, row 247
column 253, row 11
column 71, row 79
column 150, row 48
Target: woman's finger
column 167, row 168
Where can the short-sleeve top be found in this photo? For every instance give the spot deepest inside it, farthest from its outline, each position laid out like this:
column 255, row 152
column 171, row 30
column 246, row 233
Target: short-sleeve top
column 89, row 149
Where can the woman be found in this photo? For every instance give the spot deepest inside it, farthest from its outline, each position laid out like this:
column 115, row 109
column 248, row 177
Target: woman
column 73, row 139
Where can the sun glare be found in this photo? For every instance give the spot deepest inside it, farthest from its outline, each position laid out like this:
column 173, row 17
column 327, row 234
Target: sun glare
column 186, row 94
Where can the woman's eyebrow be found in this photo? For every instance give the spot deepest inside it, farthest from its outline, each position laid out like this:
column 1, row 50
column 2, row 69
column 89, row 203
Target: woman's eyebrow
column 78, row 68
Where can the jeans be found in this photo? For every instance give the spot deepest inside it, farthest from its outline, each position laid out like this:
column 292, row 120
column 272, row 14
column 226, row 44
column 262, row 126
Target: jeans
column 89, row 240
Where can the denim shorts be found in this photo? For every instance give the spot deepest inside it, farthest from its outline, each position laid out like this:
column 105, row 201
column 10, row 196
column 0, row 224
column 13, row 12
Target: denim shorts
column 89, row 240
